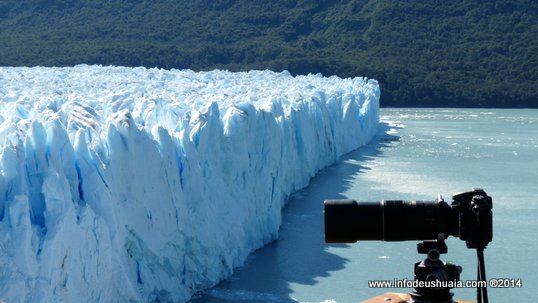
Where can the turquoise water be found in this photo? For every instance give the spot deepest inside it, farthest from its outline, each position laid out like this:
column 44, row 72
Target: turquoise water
column 418, row 154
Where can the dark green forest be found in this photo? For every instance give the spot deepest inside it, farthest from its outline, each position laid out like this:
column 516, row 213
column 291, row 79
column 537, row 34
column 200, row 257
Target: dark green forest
column 436, row 53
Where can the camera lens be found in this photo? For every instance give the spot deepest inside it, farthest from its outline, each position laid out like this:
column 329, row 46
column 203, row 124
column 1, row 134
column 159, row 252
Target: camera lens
column 347, row 221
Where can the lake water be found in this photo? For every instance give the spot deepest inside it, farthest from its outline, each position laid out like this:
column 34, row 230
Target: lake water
column 418, row 154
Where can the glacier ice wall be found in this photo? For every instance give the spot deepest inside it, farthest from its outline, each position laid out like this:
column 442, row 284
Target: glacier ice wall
column 133, row 184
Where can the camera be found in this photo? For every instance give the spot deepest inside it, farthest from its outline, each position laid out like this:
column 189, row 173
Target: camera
column 468, row 217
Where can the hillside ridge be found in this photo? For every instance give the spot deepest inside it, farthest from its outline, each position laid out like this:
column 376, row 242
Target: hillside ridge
column 423, row 53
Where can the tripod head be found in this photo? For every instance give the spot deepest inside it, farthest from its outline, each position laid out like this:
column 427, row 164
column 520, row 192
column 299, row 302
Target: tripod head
column 434, row 278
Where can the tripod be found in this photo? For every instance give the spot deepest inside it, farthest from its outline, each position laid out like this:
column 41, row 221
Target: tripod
column 433, row 278
column 436, row 276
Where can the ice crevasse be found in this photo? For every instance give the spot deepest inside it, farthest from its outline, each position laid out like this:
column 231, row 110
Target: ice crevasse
column 131, row 184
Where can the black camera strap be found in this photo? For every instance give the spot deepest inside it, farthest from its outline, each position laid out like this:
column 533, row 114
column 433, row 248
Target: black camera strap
column 482, row 289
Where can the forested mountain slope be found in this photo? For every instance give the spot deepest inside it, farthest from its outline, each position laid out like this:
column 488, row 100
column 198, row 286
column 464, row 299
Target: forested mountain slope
column 423, row 53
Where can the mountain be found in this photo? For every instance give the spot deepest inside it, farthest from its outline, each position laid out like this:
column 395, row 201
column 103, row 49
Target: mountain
column 459, row 53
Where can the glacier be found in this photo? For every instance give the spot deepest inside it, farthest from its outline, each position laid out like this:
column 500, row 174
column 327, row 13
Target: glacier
column 126, row 184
